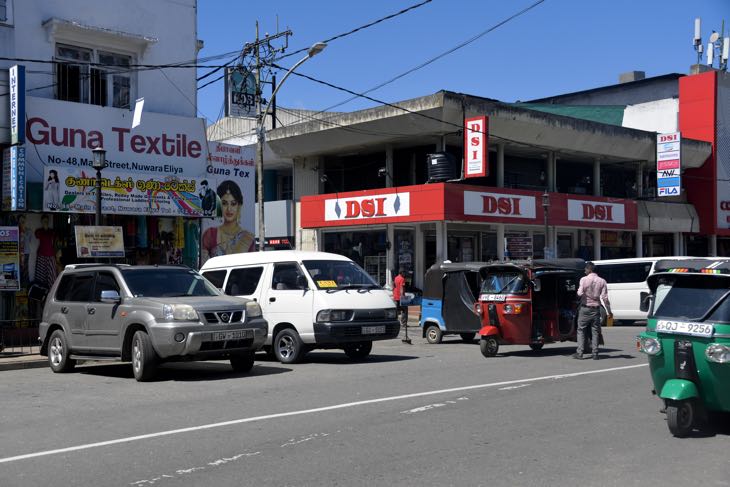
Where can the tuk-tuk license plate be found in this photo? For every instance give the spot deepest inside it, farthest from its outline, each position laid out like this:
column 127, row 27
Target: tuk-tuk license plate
column 493, row 297
column 231, row 335
column 684, row 328
column 373, row 330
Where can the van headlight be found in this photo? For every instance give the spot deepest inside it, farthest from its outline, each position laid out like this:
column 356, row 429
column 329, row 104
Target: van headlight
column 179, row 312
column 650, row 345
column 720, row 354
column 327, row 315
column 390, row 313
column 253, row 310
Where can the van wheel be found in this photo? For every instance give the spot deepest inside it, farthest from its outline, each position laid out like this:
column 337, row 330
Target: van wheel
column 680, row 418
column 358, row 351
column 467, row 337
column 433, row 334
column 489, row 346
column 144, row 357
column 58, row 353
column 288, row 347
column 242, row 362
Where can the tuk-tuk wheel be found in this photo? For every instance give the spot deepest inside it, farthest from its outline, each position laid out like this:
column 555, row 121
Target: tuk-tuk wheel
column 433, row 334
column 489, row 346
column 536, row 346
column 680, row 418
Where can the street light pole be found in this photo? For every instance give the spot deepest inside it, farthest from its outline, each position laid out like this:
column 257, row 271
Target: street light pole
column 98, row 162
column 545, row 207
column 261, row 136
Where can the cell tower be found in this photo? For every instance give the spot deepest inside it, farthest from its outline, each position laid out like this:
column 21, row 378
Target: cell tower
column 718, row 46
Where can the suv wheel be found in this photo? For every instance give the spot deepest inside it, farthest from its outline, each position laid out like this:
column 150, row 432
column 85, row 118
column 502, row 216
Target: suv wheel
column 242, row 362
column 288, row 347
column 144, row 358
column 58, row 353
column 358, row 351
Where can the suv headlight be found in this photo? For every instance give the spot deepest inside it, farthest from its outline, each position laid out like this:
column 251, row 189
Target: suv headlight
column 253, row 310
column 390, row 313
column 179, row 312
column 327, row 315
column 717, row 353
column 650, row 345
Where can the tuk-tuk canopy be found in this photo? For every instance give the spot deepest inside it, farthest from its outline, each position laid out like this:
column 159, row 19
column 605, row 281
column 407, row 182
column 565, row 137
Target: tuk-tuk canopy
column 433, row 283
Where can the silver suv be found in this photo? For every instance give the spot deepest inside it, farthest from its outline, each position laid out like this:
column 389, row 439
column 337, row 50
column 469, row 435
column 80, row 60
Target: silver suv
column 146, row 315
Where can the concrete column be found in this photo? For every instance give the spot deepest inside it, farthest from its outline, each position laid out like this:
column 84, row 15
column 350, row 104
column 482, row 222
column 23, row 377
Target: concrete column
column 418, row 255
column 576, row 243
column 640, row 180
column 712, row 241
column 388, row 166
column 639, row 243
column 650, row 246
column 596, row 177
column 500, row 166
column 500, row 241
column 550, row 171
column 441, row 241
column 677, row 244
column 390, row 262
column 596, row 244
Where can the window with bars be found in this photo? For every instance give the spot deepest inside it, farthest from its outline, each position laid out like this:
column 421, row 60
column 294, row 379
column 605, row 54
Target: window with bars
column 109, row 84
column 4, row 11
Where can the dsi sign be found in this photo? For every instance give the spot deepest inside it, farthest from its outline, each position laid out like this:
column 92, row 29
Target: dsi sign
column 669, row 164
column 17, row 104
column 368, row 207
column 594, row 212
column 499, row 205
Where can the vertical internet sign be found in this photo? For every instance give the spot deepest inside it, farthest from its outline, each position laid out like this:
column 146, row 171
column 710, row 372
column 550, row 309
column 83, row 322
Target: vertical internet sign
column 17, row 105
column 476, row 133
column 668, row 164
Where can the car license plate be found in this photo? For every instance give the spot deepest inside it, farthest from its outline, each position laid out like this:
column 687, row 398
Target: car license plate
column 685, row 328
column 231, row 335
column 493, row 297
column 373, row 330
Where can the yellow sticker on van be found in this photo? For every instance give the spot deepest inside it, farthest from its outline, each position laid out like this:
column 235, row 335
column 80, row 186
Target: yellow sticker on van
column 326, row 283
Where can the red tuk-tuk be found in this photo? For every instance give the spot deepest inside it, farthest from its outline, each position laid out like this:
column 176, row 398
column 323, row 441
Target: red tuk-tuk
column 528, row 303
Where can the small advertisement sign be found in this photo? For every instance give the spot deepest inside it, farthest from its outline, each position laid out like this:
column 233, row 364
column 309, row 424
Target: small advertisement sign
column 17, row 104
column 13, row 191
column 476, row 135
column 9, row 259
column 94, row 242
column 518, row 246
column 669, row 164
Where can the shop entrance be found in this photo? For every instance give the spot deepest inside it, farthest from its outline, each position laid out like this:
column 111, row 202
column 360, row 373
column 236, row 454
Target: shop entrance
column 367, row 248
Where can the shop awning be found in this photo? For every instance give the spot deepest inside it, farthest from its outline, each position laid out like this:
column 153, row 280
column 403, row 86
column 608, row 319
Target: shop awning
column 655, row 216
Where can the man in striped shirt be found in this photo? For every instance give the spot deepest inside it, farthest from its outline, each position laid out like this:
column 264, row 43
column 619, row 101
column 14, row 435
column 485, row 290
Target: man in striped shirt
column 592, row 291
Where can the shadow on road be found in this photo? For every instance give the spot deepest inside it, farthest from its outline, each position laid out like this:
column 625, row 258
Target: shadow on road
column 184, row 371
column 552, row 351
column 339, row 358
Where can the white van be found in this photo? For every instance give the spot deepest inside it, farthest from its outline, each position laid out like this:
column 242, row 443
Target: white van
column 310, row 300
column 626, row 279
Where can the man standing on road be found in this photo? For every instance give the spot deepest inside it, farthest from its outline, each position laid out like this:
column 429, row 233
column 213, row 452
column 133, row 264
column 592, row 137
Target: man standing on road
column 592, row 291
column 399, row 287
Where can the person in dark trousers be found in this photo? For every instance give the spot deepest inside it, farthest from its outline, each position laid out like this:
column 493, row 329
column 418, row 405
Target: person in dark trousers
column 592, row 291
column 399, row 287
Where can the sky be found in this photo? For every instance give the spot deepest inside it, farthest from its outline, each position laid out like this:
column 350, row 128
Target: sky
column 559, row 46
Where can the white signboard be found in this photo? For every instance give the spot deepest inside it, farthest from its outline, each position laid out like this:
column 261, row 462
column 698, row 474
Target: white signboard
column 499, row 205
column 596, row 212
column 367, row 207
column 17, row 104
column 668, row 156
column 475, row 146
column 62, row 135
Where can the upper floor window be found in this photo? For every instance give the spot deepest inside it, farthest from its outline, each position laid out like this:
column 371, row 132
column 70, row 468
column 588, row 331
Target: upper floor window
column 109, row 84
column 6, row 11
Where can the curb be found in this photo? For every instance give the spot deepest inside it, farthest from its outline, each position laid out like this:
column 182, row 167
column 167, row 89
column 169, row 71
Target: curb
column 23, row 364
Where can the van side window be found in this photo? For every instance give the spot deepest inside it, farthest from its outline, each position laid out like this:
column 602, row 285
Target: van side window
column 216, row 278
column 243, row 282
column 83, row 286
column 287, row 276
column 624, row 273
column 104, row 282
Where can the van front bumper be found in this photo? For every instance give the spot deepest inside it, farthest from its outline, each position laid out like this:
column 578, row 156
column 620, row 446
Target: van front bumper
column 353, row 331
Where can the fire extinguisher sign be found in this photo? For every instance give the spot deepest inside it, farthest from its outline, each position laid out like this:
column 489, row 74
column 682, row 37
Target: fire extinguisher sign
column 476, row 135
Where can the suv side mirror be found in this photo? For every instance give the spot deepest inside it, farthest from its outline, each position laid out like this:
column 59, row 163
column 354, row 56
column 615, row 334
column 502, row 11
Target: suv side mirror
column 644, row 301
column 110, row 296
column 536, row 285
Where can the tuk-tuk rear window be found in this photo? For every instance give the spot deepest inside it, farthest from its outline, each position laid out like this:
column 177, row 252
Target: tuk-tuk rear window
column 692, row 297
column 507, row 282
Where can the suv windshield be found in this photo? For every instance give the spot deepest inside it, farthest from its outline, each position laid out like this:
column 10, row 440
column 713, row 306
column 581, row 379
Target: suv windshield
column 338, row 274
column 510, row 282
column 165, row 282
column 689, row 297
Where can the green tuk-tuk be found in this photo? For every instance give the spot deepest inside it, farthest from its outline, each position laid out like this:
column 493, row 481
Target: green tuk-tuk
column 687, row 339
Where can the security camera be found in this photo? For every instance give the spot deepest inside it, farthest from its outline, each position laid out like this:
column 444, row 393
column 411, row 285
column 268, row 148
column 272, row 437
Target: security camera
column 382, row 172
column 323, row 178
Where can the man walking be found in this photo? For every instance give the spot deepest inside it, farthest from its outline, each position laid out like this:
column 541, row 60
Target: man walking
column 592, row 291
column 399, row 287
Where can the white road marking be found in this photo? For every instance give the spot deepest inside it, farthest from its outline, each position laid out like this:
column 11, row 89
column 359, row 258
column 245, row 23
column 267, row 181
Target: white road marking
column 509, row 388
column 304, row 439
column 302, row 412
column 432, row 406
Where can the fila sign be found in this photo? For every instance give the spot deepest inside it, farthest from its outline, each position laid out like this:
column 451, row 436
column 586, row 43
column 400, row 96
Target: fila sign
column 499, row 205
column 669, row 164
column 595, row 212
column 476, row 133
column 368, row 207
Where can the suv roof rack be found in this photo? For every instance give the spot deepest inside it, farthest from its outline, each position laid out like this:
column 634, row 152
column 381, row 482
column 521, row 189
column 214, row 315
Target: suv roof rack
column 95, row 264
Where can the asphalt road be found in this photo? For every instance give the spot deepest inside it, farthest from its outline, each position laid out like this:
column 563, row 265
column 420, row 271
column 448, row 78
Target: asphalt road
column 410, row 415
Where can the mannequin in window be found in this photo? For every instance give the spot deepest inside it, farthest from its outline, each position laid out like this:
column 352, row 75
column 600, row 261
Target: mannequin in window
column 45, row 262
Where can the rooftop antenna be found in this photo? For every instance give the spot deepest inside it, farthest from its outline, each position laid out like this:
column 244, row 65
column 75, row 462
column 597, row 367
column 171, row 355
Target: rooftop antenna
column 725, row 53
column 698, row 39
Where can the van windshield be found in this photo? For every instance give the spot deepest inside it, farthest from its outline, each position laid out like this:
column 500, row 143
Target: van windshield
column 690, row 297
column 504, row 282
column 338, row 274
